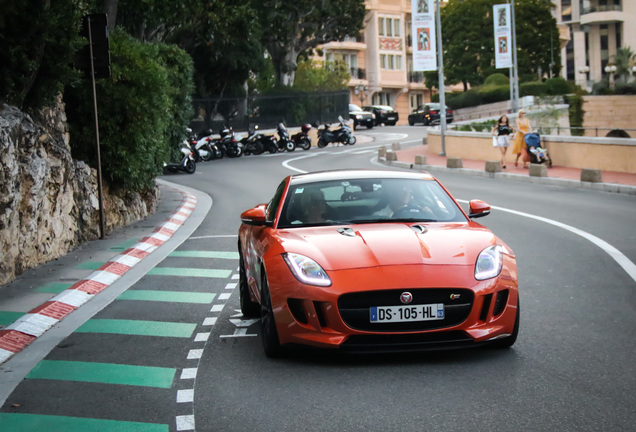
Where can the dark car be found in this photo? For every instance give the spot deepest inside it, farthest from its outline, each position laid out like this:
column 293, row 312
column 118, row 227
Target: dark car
column 383, row 114
column 361, row 117
column 428, row 114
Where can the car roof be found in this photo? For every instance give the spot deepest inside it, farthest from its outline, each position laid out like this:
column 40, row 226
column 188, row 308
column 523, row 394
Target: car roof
column 356, row 174
column 384, row 107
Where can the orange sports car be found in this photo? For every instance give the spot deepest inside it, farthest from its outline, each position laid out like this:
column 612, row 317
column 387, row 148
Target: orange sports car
column 364, row 260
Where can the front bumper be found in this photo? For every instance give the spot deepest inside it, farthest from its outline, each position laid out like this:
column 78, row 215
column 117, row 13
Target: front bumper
column 327, row 318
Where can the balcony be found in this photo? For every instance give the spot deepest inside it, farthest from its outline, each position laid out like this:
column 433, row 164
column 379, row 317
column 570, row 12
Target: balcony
column 358, row 73
column 416, row 77
column 602, row 14
column 348, row 43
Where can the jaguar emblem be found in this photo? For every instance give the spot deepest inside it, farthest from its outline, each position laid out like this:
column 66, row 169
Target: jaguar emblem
column 406, row 297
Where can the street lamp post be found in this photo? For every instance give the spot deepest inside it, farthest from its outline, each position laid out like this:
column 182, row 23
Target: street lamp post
column 611, row 70
column 585, row 70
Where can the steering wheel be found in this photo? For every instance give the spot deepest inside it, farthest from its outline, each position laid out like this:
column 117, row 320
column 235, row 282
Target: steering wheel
column 408, row 211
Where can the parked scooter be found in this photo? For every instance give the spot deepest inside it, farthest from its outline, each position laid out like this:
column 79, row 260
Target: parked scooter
column 201, row 145
column 284, row 141
column 228, row 143
column 341, row 135
column 301, row 139
column 186, row 163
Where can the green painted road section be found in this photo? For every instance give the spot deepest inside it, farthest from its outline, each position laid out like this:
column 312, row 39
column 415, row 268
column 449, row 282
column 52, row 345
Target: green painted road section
column 137, row 327
column 205, row 254
column 89, row 265
column 125, row 245
column 53, row 287
column 190, row 272
column 36, row 422
column 168, row 296
column 105, row 373
column 8, row 317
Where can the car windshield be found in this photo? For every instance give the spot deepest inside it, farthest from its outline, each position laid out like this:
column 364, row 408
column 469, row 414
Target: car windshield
column 362, row 201
column 353, row 107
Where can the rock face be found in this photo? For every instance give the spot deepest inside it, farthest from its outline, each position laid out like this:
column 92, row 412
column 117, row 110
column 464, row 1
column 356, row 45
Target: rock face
column 48, row 201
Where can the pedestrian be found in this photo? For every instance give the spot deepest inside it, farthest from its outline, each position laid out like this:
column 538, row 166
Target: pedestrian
column 519, row 144
column 502, row 131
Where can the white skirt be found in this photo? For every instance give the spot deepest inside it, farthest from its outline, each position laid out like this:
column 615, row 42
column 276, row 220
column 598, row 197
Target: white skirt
column 503, row 141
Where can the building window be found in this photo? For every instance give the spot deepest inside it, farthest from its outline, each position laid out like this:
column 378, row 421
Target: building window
column 391, row 61
column 381, row 98
column 566, row 10
column 604, row 46
column 381, row 26
column 391, row 27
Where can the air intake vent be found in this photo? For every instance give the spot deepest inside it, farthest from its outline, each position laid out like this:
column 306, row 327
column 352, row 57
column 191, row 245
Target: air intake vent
column 297, row 310
column 500, row 302
column 485, row 308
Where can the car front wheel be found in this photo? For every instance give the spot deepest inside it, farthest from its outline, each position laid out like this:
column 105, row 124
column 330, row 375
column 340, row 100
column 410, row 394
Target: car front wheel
column 509, row 341
column 269, row 333
column 249, row 308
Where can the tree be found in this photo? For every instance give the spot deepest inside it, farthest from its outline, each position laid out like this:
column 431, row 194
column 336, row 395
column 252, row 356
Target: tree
column 293, row 27
column 467, row 38
column 314, row 77
column 624, row 60
column 38, row 39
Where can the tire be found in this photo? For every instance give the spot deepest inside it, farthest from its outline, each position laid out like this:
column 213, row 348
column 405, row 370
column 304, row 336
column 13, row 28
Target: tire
column 290, row 146
column 305, row 144
column 208, row 157
column 258, row 148
column 269, row 333
column 411, row 122
column 249, row 308
column 352, row 140
column 509, row 341
column 322, row 143
column 370, row 126
column 190, row 167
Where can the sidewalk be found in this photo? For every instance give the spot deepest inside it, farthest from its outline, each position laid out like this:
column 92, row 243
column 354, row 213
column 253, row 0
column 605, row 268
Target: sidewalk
column 563, row 176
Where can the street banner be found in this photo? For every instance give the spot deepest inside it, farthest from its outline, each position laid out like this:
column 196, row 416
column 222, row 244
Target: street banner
column 503, row 36
column 423, row 33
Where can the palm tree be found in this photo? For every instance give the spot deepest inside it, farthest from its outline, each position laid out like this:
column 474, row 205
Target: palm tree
column 624, row 59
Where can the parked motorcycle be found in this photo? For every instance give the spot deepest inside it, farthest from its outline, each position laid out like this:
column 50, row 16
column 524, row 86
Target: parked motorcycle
column 341, row 135
column 284, row 141
column 186, row 163
column 228, row 143
column 252, row 143
column 301, row 139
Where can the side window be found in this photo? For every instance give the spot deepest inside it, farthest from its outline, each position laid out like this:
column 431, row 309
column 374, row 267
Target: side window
column 272, row 207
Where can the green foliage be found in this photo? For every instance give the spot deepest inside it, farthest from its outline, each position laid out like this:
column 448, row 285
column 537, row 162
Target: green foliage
column 37, row 44
column 626, row 88
column 494, row 93
column 314, row 77
column 576, row 112
column 536, row 88
column 143, row 109
column 624, row 59
column 558, row 86
column 497, row 79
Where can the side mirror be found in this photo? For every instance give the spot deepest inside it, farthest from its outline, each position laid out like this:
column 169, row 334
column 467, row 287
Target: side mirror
column 255, row 216
column 478, row 209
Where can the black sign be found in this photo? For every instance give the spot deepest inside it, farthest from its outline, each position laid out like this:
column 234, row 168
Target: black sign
column 98, row 24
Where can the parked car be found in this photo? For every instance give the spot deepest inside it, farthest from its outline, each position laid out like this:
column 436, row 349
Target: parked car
column 363, row 261
column 361, row 117
column 428, row 114
column 383, row 114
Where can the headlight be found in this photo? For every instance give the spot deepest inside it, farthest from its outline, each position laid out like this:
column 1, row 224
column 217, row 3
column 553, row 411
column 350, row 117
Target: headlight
column 358, row 116
column 306, row 270
column 489, row 263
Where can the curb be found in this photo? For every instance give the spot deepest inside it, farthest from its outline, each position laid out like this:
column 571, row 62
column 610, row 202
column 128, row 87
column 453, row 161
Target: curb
column 552, row 181
column 18, row 335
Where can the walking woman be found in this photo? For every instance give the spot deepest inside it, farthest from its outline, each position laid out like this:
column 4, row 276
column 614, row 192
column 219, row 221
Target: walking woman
column 523, row 127
column 502, row 131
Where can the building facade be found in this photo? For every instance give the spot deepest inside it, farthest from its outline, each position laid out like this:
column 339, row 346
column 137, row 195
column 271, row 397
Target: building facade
column 597, row 29
column 380, row 59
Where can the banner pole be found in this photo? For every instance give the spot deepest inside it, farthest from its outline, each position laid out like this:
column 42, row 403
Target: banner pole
column 442, row 95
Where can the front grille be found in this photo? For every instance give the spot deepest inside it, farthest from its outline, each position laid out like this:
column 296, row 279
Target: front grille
column 354, row 308
column 408, row 342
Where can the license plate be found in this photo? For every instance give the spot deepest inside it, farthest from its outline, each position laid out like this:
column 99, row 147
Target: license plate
column 390, row 118
column 427, row 312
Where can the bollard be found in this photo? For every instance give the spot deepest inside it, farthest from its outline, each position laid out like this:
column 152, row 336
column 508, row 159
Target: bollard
column 395, row 146
column 382, row 152
column 391, row 156
column 421, row 160
column 493, row 166
column 591, row 175
column 454, row 162
column 538, row 170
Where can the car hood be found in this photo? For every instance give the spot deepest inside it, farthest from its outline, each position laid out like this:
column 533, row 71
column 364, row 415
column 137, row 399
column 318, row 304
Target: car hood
column 385, row 244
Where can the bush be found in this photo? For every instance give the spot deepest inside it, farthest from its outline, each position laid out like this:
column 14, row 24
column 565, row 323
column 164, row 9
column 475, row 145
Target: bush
column 576, row 112
column 494, row 93
column 533, row 88
column 497, row 79
column 626, row 88
column 558, row 86
column 144, row 108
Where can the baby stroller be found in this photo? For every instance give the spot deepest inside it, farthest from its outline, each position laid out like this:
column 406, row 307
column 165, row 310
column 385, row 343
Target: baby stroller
column 534, row 152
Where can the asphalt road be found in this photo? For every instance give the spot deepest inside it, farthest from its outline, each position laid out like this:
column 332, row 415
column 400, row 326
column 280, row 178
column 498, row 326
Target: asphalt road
column 572, row 368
